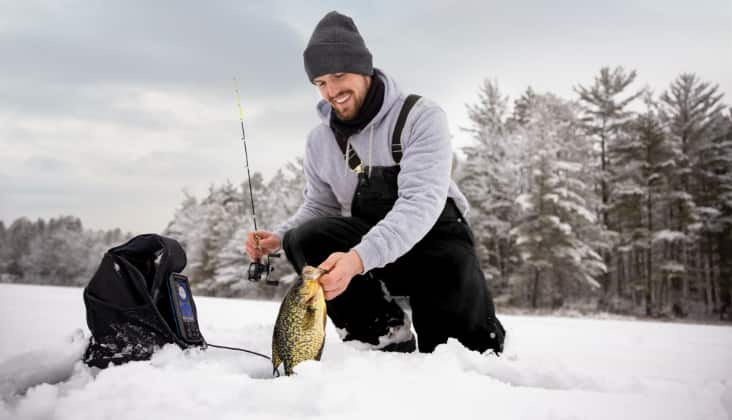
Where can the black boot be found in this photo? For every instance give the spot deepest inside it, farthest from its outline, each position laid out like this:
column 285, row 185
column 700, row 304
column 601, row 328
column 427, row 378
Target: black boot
column 409, row 346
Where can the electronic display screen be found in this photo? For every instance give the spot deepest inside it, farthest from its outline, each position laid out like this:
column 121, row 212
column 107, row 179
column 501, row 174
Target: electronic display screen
column 184, row 299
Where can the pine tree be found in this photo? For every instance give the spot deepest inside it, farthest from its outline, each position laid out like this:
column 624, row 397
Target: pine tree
column 555, row 225
column 722, row 225
column 691, row 110
column 521, row 107
column 644, row 161
column 605, row 104
column 489, row 180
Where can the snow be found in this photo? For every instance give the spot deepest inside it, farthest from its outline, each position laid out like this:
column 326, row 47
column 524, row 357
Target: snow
column 667, row 235
column 524, row 201
column 553, row 368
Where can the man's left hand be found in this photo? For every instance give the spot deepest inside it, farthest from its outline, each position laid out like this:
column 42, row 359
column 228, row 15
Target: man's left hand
column 341, row 266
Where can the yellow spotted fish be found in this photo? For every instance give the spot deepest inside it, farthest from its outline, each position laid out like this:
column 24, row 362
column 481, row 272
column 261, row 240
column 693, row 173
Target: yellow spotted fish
column 299, row 332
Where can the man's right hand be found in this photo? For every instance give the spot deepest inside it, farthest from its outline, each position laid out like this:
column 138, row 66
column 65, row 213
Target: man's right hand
column 268, row 243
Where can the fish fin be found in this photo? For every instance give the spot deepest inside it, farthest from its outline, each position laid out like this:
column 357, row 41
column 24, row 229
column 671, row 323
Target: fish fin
column 276, row 360
column 320, row 352
column 288, row 368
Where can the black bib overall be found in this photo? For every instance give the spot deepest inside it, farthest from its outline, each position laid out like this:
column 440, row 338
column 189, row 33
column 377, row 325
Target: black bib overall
column 440, row 275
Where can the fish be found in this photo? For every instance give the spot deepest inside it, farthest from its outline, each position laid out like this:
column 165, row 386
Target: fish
column 299, row 332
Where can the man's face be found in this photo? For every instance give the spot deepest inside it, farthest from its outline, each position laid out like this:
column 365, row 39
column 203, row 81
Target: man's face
column 344, row 91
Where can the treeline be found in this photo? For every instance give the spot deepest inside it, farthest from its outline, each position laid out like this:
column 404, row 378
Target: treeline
column 618, row 199
column 57, row 252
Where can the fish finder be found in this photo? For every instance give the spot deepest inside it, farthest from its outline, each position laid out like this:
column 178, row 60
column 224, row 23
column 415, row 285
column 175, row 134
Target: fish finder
column 184, row 309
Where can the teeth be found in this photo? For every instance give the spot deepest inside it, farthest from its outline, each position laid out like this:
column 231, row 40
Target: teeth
column 342, row 99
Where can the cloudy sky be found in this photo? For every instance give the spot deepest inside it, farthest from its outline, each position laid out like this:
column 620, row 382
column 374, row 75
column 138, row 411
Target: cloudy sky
column 110, row 109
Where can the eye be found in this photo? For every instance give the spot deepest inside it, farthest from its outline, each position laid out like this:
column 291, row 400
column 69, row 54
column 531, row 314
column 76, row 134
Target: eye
column 338, row 75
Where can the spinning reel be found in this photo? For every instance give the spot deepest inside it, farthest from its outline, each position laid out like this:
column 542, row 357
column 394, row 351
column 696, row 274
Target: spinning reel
column 257, row 269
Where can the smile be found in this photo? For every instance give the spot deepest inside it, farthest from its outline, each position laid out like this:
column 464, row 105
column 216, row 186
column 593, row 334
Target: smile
column 342, row 99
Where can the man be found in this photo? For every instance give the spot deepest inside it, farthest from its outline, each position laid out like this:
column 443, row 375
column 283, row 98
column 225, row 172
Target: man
column 381, row 212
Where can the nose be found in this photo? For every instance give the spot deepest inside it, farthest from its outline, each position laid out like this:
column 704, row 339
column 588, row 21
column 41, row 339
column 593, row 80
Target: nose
column 332, row 90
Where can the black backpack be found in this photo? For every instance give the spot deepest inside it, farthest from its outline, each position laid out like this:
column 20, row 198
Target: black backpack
column 128, row 307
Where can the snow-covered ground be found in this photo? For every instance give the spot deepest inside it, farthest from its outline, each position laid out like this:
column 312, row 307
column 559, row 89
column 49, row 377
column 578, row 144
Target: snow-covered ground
column 554, row 368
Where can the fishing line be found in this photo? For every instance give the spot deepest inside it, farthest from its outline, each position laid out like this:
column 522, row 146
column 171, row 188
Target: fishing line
column 275, row 371
column 239, row 349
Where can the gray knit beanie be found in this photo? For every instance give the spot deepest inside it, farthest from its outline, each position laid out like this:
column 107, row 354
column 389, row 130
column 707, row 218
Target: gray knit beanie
column 335, row 47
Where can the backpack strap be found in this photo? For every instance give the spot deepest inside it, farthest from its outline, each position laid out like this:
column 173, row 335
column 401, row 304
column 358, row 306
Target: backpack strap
column 396, row 139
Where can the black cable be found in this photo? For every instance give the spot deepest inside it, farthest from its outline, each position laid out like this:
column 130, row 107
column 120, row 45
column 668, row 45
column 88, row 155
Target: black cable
column 238, row 349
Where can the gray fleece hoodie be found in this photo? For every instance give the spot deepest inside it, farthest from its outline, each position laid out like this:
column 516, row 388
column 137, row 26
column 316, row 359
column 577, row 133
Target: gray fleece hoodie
column 424, row 178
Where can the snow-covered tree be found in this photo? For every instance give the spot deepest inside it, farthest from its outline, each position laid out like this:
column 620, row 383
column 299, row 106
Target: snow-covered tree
column 284, row 194
column 692, row 112
column 489, row 180
column 58, row 251
column 58, row 255
column 19, row 236
column 224, row 211
column 188, row 228
column 555, row 227
column 230, row 275
column 521, row 108
column 640, row 196
column 606, row 113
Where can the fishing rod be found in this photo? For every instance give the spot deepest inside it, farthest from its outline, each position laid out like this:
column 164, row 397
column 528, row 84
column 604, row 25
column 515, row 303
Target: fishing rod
column 256, row 267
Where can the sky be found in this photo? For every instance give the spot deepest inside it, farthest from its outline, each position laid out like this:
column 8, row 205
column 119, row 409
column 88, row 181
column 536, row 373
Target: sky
column 110, row 110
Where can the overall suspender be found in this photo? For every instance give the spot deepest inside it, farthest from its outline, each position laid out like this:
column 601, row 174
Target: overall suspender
column 354, row 162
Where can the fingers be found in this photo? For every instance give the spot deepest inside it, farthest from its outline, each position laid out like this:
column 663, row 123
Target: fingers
column 338, row 277
column 331, row 261
column 262, row 244
column 270, row 242
column 334, row 293
column 253, row 253
column 334, row 285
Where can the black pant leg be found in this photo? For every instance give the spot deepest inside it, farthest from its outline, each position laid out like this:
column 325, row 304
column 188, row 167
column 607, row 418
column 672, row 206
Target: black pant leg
column 362, row 311
column 447, row 290
column 313, row 241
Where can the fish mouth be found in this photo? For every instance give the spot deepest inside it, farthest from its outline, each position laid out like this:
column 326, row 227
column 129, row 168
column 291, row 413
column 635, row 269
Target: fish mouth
column 311, row 298
column 312, row 273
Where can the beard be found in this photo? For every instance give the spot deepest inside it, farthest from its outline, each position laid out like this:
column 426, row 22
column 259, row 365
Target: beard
column 349, row 109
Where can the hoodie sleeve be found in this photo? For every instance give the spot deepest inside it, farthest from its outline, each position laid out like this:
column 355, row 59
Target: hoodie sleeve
column 423, row 181
column 319, row 199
